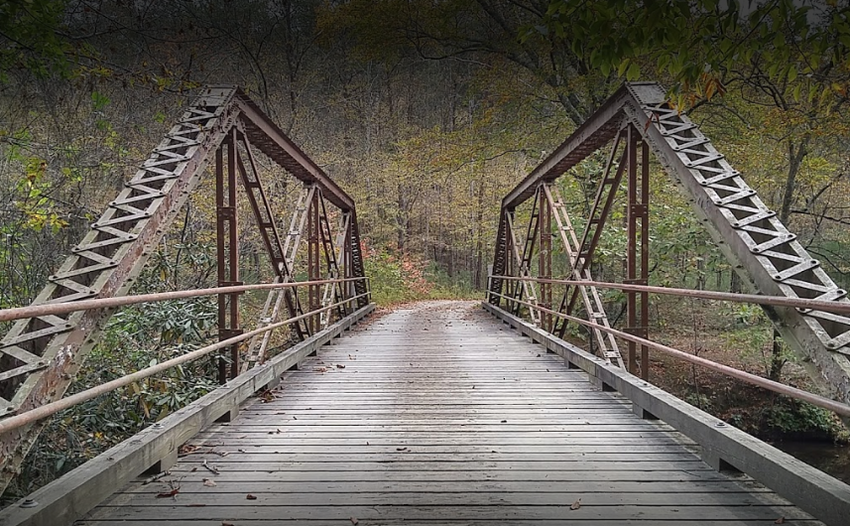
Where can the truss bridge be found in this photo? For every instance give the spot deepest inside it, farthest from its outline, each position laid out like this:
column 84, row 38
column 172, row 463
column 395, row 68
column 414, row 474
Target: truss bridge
column 440, row 412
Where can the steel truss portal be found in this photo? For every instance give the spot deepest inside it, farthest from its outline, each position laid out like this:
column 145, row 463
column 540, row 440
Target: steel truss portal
column 638, row 118
column 39, row 357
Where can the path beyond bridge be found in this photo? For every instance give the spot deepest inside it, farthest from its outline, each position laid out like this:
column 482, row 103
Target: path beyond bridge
column 437, row 413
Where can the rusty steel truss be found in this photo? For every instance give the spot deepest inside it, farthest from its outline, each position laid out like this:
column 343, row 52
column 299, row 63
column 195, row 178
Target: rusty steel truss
column 637, row 119
column 40, row 356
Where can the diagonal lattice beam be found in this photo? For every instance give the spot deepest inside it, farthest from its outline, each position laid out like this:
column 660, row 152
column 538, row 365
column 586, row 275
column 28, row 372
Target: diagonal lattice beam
column 759, row 246
column 40, row 357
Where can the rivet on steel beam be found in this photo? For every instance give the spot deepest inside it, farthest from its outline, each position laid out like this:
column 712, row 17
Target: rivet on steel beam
column 831, row 344
column 720, row 424
column 29, row 503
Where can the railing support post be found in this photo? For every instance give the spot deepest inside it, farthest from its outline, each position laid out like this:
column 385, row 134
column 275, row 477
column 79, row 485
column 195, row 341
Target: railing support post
column 313, row 270
column 544, row 257
column 227, row 251
column 637, row 252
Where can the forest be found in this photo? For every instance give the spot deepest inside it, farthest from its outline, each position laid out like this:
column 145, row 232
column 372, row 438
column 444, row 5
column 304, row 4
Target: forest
column 427, row 113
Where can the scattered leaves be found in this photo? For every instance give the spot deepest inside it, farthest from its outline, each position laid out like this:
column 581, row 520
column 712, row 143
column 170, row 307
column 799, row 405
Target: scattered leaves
column 166, row 494
column 186, row 449
column 212, row 469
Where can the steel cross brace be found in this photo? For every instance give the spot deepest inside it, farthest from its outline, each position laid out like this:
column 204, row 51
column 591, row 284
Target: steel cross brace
column 271, row 308
column 593, row 304
column 332, row 292
column 599, row 212
column 522, row 267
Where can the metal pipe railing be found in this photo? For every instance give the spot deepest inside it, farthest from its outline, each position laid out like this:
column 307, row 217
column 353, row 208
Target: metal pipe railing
column 777, row 301
column 820, row 401
column 33, row 311
column 38, row 413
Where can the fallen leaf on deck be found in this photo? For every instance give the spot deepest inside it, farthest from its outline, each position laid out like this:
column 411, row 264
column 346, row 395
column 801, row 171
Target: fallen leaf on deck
column 186, row 449
column 575, row 505
column 210, row 483
column 212, row 469
column 780, row 520
column 167, row 494
column 227, row 523
column 340, row 366
column 251, row 497
column 321, row 369
column 400, row 448
column 354, row 521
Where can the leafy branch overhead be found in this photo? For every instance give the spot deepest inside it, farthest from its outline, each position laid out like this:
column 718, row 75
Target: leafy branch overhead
column 706, row 45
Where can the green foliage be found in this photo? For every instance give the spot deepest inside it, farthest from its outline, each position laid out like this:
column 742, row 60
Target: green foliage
column 700, row 43
column 792, row 417
column 30, row 37
column 134, row 338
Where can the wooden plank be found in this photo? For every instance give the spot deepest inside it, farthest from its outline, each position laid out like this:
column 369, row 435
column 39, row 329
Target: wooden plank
column 496, row 512
column 196, row 485
column 71, row 496
column 816, row 492
column 235, row 498
column 399, row 436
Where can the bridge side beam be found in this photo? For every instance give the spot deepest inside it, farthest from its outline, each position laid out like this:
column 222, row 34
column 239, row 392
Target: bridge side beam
column 766, row 255
column 105, row 264
column 637, row 250
column 819, row 494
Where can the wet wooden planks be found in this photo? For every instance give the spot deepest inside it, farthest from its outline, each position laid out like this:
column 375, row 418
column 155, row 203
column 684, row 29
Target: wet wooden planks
column 438, row 414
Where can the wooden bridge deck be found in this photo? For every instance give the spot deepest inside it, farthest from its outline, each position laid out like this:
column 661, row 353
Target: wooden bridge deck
column 439, row 414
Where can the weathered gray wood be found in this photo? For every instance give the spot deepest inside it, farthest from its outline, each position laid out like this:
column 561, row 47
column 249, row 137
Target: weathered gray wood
column 74, row 494
column 236, row 498
column 399, row 436
column 496, row 512
column 401, row 487
column 814, row 491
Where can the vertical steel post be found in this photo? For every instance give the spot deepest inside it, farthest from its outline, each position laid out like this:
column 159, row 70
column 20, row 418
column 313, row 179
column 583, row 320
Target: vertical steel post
column 313, row 242
column 544, row 257
column 227, row 246
column 637, row 252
